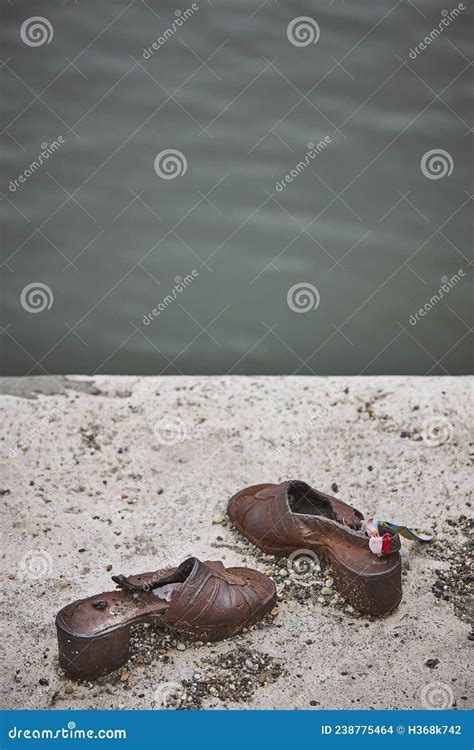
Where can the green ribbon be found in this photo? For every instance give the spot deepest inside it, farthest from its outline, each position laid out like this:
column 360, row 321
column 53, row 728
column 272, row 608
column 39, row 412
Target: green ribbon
column 414, row 536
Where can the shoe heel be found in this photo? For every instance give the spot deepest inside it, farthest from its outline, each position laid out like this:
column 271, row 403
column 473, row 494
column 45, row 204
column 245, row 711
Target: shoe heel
column 89, row 658
column 370, row 592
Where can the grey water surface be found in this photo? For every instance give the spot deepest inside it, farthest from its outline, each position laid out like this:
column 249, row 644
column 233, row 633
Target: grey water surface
column 256, row 252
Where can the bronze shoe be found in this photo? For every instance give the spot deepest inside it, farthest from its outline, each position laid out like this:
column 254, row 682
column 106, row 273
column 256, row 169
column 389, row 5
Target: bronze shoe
column 289, row 517
column 199, row 599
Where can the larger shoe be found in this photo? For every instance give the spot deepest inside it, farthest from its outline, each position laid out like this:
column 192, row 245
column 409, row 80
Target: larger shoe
column 200, row 599
column 289, row 517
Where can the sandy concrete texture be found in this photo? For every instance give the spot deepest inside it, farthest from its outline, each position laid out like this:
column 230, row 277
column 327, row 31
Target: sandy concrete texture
column 110, row 475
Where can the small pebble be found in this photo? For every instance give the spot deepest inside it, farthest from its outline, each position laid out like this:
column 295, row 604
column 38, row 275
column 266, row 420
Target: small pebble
column 405, row 557
column 100, row 604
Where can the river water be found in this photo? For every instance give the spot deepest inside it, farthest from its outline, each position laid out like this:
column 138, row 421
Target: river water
column 300, row 222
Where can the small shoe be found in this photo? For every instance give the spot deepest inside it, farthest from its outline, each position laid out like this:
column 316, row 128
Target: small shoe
column 282, row 519
column 199, row 599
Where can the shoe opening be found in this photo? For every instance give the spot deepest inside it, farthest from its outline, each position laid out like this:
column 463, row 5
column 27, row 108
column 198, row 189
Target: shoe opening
column 168, row 587
column 165, row 588
column 303, row 499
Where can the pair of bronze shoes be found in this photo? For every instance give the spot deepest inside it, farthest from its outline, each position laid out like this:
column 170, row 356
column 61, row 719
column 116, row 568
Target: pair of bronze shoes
column 209, row 602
